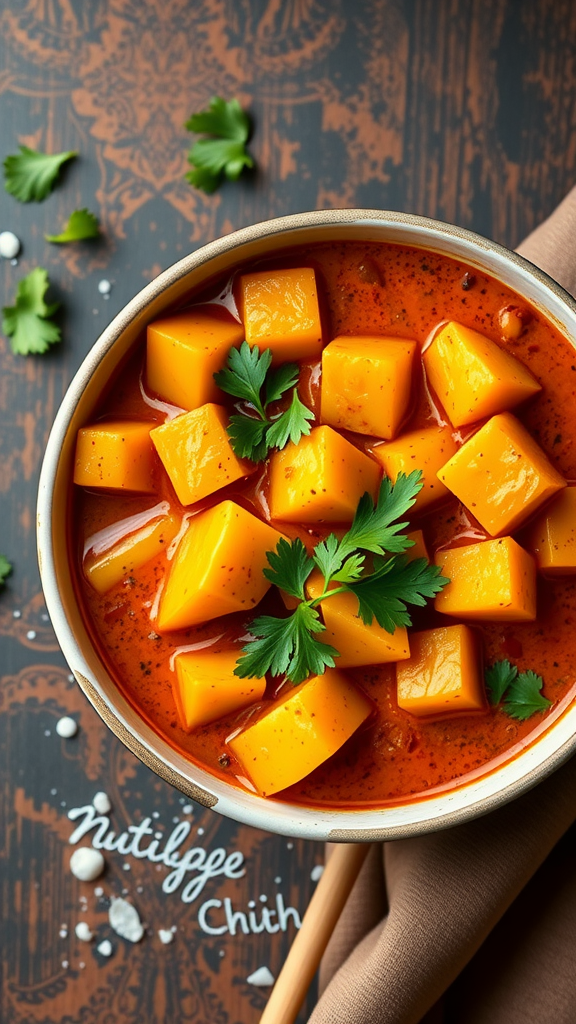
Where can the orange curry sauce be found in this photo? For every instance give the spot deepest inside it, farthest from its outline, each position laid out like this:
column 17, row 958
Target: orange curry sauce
column 367, row 289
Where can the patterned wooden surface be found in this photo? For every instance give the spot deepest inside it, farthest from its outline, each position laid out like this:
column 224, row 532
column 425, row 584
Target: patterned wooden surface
column 460, row 109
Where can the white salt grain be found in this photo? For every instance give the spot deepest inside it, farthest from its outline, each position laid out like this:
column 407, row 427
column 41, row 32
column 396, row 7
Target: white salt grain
column 104, row 287
column 86, row 863
column 165, row 936
column 98, row 891
column 84, row 932
column 124, row 920
column 102, row 803
column 263, row 978
column 317, row 872
column 9, row 245
column 66, row 727
column 105, row 948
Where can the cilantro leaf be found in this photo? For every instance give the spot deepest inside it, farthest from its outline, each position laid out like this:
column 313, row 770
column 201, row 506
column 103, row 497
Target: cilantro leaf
column 30, row 176
column 290, row 565
column 373, row 528
column 327, row 556
column 351, row 570
column 81, row 225
column 498, row 678
column 291, row 425
column 523, row 696
column 223, row 153
column 281, row 380
column 248, row 437
column 385, row 593
column 5, row 569
column 245, row 373
column 27, row 323
column 287, row 647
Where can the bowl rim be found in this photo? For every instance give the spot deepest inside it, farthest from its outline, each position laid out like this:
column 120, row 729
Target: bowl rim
column 319, row 823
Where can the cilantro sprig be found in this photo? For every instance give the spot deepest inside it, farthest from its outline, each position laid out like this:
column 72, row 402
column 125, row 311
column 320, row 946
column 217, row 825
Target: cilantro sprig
column 291, row 646
column 223, row 153
column 28, row 323
column 30, row 176
column 519, row 693
column 81, row 225
column 247, row 376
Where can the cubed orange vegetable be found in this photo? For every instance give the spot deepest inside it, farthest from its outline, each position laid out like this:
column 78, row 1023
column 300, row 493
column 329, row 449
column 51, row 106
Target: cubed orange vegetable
column 184, row 351
column 280, row 312
column 494, row 580
column 367, row 384
column 442, row 676
column 206, row 688
column 104, row 569
column 473, row 377
column 418, row 549
column 300, row 731
column 552, row 536
column 428, row 450
column 197, row 455
column 357, row 643
column 501, row 475
column 217, row 567
column 116, row 456
column 320, row 479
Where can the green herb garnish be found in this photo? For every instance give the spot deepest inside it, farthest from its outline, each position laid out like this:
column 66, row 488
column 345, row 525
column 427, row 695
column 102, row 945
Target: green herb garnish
column 518, row 692
column 81, row 225
column 289, row 646
column 247, row 375
column 31, row 176
column 223, row 153
column 5, row 569
column 28, row 322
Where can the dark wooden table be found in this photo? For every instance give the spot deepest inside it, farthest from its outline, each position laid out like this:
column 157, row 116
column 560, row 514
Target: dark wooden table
column 458, row 109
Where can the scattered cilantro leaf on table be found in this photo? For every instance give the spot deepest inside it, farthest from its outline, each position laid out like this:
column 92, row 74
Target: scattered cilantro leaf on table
column 28, row 322
column 30, row 176
column 81, row 225
column 223, row 153
column 246, row 374
column 289, row 645
column 518, row 693
column 5, row 569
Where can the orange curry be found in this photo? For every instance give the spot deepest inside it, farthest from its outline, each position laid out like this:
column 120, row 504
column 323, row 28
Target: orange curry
column 364, row 290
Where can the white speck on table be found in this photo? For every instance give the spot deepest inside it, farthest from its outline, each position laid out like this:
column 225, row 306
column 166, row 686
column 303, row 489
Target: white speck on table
column 66, row 727
column 102, row 803
column 262, row 978
column 9, row 245
column 125, row 920
column 86, row 863
column 105, row 948
column 84, row 932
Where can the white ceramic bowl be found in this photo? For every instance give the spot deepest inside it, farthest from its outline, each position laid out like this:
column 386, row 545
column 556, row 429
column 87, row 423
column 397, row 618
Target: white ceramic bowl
column 551, row 742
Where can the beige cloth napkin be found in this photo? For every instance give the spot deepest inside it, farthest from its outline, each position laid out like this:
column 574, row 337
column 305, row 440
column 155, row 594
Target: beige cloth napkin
column 477, row 924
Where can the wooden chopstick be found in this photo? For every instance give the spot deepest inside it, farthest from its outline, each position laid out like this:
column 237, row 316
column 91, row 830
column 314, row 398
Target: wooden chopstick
column 319, row 921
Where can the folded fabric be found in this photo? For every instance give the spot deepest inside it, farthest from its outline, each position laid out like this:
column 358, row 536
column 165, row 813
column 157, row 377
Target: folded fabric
column 476, row 924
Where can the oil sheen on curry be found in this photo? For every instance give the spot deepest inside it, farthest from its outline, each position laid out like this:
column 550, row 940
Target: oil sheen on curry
column 325, row 525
